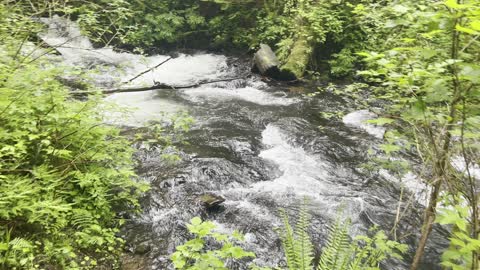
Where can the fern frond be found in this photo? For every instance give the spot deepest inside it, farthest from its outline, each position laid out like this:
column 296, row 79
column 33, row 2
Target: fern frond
column 296, row 242
column 288, row 241
column 19, row 244
column 303, row 244
column 337, row 252
column 82, row 218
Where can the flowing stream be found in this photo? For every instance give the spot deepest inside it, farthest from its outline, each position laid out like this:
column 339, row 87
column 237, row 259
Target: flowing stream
column 260, row 147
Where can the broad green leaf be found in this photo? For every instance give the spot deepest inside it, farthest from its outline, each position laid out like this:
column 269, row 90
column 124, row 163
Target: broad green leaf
column 465, row 30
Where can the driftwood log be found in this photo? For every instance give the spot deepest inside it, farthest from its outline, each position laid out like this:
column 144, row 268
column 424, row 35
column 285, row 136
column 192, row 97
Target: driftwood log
column 157, row 86
column 300, row 55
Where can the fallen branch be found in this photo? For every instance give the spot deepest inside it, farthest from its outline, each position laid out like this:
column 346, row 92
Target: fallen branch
column 157, row 86
column 150, row 69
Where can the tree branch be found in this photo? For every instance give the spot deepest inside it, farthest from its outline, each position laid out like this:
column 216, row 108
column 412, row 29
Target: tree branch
column 158, row 86
column 150, row 69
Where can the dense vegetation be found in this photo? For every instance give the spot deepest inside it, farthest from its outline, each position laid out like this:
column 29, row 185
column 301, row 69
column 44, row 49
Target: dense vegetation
column 429, row 74
column 65, row 177
column 340, row 252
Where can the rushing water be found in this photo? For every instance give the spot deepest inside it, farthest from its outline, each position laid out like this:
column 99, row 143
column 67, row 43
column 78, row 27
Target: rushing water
column 260, row 147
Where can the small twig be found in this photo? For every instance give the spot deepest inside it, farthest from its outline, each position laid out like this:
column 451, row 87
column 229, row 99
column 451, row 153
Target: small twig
column 148, row 70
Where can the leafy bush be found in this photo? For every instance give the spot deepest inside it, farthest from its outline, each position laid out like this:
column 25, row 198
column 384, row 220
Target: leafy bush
column 339, row 252
column 427, row 74
column 193, row 255
column 455, row 212
column 160, row 22
column 65, row 176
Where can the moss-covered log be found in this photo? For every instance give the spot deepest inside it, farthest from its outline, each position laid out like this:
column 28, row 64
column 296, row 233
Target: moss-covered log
column 299, row 57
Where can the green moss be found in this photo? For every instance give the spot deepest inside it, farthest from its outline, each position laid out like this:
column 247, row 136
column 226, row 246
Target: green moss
column 299, row 57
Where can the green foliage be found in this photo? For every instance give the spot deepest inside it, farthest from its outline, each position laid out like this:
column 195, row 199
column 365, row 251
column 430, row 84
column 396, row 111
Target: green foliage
column 427, row 75
column 336, row 253
column 296, row 242
column 294, row 28
column 156, row 22
column 455, row 212
column 64, row 174
column 121, row 22
column 101, row 20
column 362, row 253
column 339, row 252
column 194, row 254
column 371, row 251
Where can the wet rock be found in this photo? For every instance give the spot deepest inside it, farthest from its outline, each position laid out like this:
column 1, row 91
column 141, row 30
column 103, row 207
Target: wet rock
column 266, row 63
column 211, row 200
column 73, row 82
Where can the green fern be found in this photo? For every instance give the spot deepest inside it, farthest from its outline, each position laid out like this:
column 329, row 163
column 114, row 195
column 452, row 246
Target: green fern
column 288, row 241
column 19, row 244
column 81, row 218
column 340, row 251
column 303, row 245
column 337, row 252
column 296, row 242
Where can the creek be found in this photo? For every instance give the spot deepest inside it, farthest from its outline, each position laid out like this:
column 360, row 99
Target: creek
column 260, row 146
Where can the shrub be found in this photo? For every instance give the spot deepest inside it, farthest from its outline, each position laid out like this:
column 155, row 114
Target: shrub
column 65, row 176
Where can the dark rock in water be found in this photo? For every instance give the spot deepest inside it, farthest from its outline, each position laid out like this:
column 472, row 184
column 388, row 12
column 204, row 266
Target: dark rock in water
column 266, row 63
column 211, row 200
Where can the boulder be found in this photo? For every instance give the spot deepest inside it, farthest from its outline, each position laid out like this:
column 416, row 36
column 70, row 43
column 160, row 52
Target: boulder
column 266, row 63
